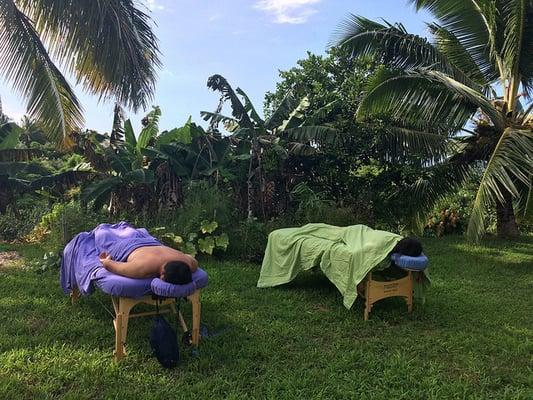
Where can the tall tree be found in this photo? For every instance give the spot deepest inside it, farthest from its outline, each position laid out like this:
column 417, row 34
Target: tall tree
column 107, row 45
column 432, row 90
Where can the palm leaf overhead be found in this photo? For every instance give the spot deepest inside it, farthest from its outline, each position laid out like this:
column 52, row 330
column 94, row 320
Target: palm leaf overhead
column 431, row 90
column 107, row 45
column 506, row 166
column 395, row 46
column 27, row 66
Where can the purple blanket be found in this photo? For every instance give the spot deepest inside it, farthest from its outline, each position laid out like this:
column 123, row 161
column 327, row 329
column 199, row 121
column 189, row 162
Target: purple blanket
column 81, row 265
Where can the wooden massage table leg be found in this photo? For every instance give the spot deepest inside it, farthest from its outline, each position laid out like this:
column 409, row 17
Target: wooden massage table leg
column 409, row 296
column 196, row 310
column 123, row 306
column 368, row 299
column 74, row 295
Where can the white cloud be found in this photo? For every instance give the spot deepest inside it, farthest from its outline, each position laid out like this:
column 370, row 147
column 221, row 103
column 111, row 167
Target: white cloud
column 153, row 5
column 214, row 17
column 288, row 11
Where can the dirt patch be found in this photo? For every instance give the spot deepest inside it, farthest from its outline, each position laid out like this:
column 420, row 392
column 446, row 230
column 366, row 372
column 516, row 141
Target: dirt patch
column 8, row 258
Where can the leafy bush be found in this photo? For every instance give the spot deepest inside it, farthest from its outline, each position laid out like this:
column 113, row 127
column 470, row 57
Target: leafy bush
column 21, row 218
column 311, row 204
column 248, row 240
column 205, row 240
column 50, row 262
column 62, row 223
column 451, row 214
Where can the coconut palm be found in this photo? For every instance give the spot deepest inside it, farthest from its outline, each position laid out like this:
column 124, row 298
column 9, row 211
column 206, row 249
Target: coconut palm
column 108, row 46
column 434, row 91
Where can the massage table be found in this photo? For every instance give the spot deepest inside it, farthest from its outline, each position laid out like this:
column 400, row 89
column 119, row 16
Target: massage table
column 126, row 293
column 82, row 272
column 348, row 256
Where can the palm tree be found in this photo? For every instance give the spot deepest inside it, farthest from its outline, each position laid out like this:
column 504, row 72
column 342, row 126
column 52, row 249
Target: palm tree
column 107, row 45
column 432, row 91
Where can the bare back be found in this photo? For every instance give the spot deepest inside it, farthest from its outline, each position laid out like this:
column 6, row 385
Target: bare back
column 153, row 258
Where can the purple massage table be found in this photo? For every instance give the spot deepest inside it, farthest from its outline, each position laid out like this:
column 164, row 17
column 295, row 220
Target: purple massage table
column 81, row 272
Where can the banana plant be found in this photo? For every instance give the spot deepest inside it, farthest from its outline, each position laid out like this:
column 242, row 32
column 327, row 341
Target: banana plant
column 128, row 182
column 285, row 131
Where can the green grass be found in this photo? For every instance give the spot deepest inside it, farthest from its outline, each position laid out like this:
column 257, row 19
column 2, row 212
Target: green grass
column 472, row 339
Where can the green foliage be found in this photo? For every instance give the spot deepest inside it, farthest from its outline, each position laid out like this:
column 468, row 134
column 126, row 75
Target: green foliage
column 62, row 223
column 203, row 240
column 50, row 262
column 311, row 204
column 208, row 227
column 117, row 61
column 436, row 87
column 21, row 218
column 248, row 240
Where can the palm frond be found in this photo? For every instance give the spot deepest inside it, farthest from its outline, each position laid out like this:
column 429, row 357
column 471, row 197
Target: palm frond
column 418, row 102
column 470, row 95
column 402, row 143
column 27, row 66
column 395, row 46
column 517, row 16
column 108, row 45
column 436, row 183
column 220, row 84
column 511, row 161
column 448, row 44
column 473, row 23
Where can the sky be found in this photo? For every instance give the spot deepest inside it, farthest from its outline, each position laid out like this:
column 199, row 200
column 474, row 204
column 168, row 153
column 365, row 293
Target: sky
column 246, row 41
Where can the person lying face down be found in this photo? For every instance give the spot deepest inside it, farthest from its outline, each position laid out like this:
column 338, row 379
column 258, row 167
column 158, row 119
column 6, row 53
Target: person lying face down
column 166, row 263
column 408, row 246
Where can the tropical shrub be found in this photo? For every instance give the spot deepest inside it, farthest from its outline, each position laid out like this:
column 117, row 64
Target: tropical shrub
column 21, row 217
column 62, row 223
column 206, row 240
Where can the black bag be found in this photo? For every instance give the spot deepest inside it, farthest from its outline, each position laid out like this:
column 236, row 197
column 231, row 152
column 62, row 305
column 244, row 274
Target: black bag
column 164, row 343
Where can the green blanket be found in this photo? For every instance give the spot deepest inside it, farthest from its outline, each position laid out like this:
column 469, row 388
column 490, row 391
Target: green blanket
column 344, row 254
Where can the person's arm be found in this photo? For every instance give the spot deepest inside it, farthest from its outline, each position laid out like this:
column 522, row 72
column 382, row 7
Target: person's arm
column 131, row 269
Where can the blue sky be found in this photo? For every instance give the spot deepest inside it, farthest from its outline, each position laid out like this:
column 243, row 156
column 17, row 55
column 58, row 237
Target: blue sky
column 247, row 41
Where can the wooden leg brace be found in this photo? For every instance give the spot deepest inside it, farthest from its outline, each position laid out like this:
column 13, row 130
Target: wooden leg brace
column 374, row 291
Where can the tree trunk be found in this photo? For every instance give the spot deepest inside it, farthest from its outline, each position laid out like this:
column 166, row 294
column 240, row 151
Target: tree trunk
column 506, row 226
column 250, row 189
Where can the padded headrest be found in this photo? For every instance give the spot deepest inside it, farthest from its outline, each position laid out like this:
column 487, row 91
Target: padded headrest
column 414, row 263
column 165, row 289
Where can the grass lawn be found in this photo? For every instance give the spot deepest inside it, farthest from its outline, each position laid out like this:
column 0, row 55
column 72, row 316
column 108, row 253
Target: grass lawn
column 473, row 338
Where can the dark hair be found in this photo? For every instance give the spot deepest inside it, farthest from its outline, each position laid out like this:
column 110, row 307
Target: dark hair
column 177, row 272
column 409, row 247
